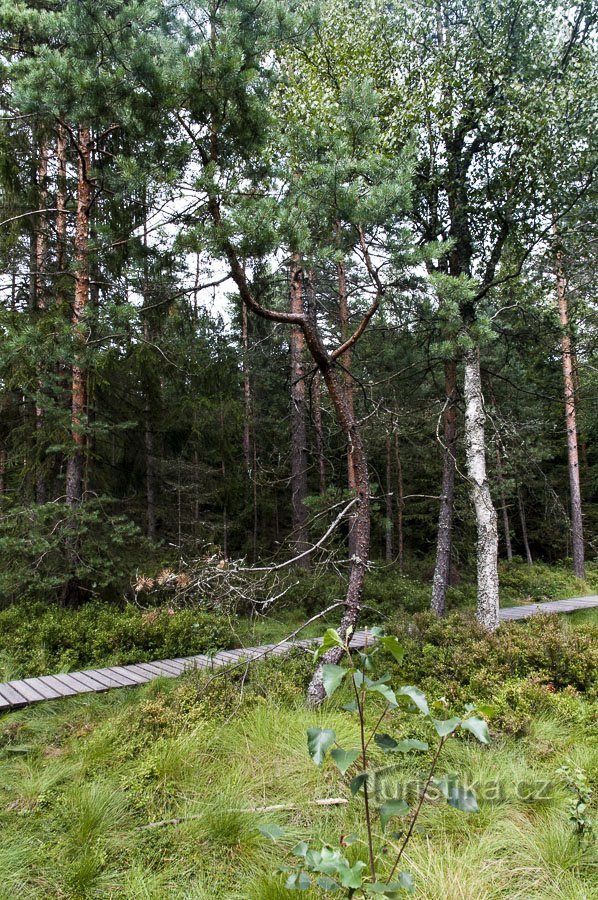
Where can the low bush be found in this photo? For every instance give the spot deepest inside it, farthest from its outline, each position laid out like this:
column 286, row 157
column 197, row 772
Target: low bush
column 36, row 639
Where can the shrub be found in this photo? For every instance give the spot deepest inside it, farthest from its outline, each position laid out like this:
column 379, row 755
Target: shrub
column 41, row 639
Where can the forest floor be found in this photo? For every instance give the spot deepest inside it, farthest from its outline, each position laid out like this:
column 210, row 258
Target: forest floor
column 80, row 777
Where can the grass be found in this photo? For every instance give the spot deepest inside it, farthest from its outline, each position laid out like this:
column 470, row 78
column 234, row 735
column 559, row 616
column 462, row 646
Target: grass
column 81, row 776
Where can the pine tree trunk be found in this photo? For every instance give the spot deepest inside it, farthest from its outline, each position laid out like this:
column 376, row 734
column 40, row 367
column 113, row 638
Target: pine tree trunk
column 299, row 462
column 388, row 500
column 522, row 519
column 319, row 431
column 246, row 392
column 486, row 520
column 444, row 540
column 571, row 420
column 503, row 505
column 75, row 462
column 400, row 502
column 39, row 296
column 74, row 471
column 343, row 408
column 150, row 470
column 61, row 198
column 346, row 363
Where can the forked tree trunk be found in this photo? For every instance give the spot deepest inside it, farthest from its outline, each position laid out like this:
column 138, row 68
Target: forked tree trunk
column 522, row 520
column 444, row 539
column 299, row 462
column 361, row 527
column 485, row 513
column 571, row 420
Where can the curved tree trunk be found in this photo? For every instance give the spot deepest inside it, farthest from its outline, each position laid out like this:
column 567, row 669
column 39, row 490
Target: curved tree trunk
column 361, row 524
column 486, row 519
column 442, row 568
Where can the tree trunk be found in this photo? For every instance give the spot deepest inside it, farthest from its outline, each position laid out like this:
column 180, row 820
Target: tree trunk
column 61, row 198
column 528, row 553
column 343, row 408
column 345, row 360
column 486, row 520
column 150, row 470
column 503, row 505
column 39, row 298
column 570, row 419
column 317, row 416
column 388, row 499
column 75, row 462
column 299, row 462
column 246, row 392
column 444, row 541
column 74, row 471
column 400, row 502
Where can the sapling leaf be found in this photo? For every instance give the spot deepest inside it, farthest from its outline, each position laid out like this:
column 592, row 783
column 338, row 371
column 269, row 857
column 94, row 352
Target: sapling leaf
column 390, row 809
column 319, row 742
column 444, row 727
column 327, row 884
column 478, row 728
column 272, row 831
column 358, row 782
column 385, row 742
column 298, row 882
column 457, row 796
column 351, row 876
column 389, row 745
column 350, row 707
column 332, row 677
column 330, row 640
column 418, row 697
column 380, row 687
column 392, row 646
column 300, row 849
column 344, row 759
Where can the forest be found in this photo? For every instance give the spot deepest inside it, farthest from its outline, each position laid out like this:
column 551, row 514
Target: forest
column 299, row 340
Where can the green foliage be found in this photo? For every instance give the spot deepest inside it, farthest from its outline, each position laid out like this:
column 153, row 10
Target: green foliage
column 577, row 782
column 37, row 639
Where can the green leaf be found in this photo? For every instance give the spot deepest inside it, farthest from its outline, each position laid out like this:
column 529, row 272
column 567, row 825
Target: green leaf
column 392, row 646
column 300, row 849
column 457, row 796
column 319, row 742
column 298, row 882
column 478, row 728
column 445, row 727
column 351, row 877
column 418, row 697
column 272, row 831
column 390, row 809
column 410, row 744
column 344, row 759
column 332, row 677
column 380, row 687
column 330, row 640
column 327, row 884
column 350, row 707
column 385, row 742
column 358, row 782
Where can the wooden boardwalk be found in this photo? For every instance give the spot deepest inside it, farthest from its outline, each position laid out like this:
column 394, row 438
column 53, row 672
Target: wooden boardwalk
column 26, row 691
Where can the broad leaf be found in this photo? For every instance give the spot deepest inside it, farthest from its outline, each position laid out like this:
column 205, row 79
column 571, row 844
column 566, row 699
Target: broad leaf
column 380, row 687
column 358, row 782
column 330, row 640
column 350, row 707
column 272, row 831
column 390, row 809
column 411, row 744
column 300, row 849
column 327, row 884
column 478, row 728
column 344, row 759
column 351, row 877
column 319, row 742
column 332, row 677
column 392, row 646
column 385, row 742
column 418, row 697
column 298, row 882
column 457, row 796
column 445, row 727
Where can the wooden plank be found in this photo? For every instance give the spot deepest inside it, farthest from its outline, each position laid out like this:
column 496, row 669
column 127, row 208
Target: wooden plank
column 12, row 696
column 63, row 689
column 89, row 683
column 47, row 691
column 135, row 670
column 119, row 675
column 169, row 667
column 24, row 688
column 76, row 687
column 152, row 670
